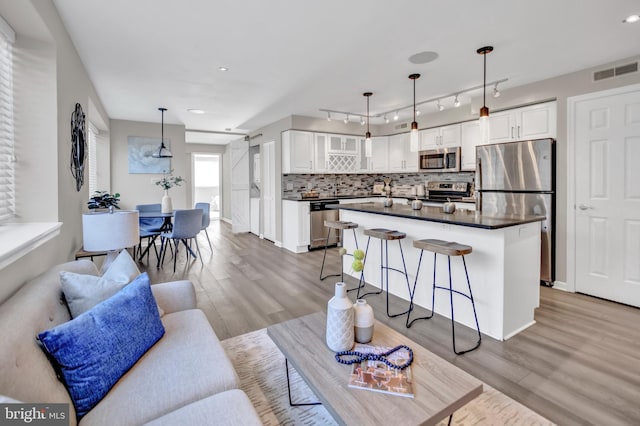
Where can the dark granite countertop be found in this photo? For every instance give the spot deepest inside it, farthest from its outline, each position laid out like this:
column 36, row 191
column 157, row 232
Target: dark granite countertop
column 435, row 214
column 297, row 197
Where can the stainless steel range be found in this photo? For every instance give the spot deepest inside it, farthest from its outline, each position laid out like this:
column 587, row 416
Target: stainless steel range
column 441, row 191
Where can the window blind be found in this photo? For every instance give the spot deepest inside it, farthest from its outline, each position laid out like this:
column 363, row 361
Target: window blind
column 92, row 159
column 7, row 157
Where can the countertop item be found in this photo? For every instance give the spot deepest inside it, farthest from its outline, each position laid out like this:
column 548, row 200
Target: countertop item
column 435, row 214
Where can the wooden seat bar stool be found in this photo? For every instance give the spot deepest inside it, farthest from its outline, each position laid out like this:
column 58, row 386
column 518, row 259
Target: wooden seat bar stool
column 385, row 235
column 339, row 226
column 448, row 249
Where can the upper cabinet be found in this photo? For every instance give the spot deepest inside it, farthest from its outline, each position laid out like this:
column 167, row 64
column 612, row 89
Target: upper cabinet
column 401, row 159
column 469, row 139
column 297, row 152
column 440, row 137
column 379, row 160
column 320, row 149
column 531, row 122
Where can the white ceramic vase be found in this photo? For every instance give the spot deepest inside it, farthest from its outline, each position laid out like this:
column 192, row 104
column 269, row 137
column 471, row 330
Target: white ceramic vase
column 363, row 321
column 167, row 207
column 340, row 331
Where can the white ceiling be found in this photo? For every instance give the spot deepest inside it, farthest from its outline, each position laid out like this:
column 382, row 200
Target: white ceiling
column 293, row 57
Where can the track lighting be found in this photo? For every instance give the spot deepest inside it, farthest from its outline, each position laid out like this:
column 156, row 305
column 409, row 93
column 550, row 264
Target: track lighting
column 328, row 116
column 440, row 106
column 496, row 92
column 346, row 119
column 417, row 112
column 456, row 102
column 362, row 121
column 396, row 116
column 386, row 119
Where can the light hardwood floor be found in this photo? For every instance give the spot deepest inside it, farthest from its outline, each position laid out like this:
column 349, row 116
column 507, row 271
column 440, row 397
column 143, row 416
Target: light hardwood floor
column 579, row 364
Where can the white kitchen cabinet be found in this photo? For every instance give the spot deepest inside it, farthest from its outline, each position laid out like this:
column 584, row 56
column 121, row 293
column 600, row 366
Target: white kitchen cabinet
column 440, row 137
column 531, row 122
column 297, row 152
column 342, row 144
column 296, row 226
column 401, row 159
column 321, row 160
column 469, row 139
column 379, row 160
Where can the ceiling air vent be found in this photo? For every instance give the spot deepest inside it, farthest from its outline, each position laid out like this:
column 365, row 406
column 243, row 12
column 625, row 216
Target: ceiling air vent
column 401, row 126
column 613, row 72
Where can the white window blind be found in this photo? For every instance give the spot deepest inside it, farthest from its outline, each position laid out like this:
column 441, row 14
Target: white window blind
column 7, row 157
column 93, row 161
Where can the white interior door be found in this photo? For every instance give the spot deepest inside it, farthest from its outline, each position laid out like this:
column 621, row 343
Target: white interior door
column 269, row 189
column 607, row 195
column 240, row 208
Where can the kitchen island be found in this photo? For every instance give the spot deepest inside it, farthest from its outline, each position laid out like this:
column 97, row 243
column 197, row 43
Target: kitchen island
column 504, row 267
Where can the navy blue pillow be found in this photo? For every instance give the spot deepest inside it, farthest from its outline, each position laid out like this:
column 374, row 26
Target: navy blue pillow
column 97, row 347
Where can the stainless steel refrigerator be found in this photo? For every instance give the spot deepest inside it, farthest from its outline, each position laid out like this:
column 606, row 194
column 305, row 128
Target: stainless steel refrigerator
column 518, row 178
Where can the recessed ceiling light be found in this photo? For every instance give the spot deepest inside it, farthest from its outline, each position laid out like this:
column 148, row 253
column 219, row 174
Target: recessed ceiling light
column 195, row 111
column 423, row 57
column 631, row 19
column 223, row 69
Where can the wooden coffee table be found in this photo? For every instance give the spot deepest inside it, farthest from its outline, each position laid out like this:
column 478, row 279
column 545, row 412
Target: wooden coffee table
column 440, row 388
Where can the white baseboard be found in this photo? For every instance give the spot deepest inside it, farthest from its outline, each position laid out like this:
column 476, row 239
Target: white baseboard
column 561, row 285
column 278, row 243
column 224, row 219
column 514, row 332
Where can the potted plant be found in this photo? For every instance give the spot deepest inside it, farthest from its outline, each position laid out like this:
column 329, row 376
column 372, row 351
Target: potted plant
column 167, row 182
column 104, row 200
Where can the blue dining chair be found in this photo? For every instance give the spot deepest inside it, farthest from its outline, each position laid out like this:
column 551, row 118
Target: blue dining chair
column 206, row 219
column 186, row 227
column 149, row 228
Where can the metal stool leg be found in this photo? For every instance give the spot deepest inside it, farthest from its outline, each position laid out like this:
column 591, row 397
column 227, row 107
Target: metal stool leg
column 470, row 297
column 361, row 281
column 406, row 276
column 410, row 322
column 324, row 257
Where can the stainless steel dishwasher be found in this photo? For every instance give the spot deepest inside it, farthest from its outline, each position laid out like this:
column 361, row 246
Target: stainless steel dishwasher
column 319, row 213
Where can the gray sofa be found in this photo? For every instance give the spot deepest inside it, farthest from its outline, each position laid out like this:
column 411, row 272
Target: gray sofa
column 185, row 378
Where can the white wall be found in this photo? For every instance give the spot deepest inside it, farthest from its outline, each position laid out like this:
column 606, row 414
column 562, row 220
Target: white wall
column 49, row 80
column 139, row 188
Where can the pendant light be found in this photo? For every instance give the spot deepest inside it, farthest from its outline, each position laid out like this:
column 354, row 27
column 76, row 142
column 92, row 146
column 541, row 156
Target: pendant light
column 414, row 142
column 162, row 152
column 367, row 136
column 484, row 111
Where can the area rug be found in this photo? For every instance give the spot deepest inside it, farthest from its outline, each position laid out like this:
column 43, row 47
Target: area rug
column 261, row 368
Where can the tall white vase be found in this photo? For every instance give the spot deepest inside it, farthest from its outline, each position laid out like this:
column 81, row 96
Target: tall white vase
column 340, row 333
column 167, row 207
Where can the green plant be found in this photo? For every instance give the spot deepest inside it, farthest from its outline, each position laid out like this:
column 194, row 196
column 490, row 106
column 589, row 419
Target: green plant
column 103, row 200
column 168, row 181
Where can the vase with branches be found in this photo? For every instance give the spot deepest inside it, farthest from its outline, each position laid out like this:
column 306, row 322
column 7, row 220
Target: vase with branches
column 167, row 182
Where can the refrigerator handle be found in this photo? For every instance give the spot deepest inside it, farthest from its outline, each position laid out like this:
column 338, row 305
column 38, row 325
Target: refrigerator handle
column 478, row 193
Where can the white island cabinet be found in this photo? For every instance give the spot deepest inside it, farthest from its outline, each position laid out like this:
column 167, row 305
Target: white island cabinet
column 504, row 267
column 296, row 226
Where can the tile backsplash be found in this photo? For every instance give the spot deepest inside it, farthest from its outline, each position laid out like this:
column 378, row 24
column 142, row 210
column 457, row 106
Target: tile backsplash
column 359, row 184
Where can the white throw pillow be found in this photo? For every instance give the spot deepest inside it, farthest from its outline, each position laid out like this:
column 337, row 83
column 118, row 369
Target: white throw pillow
column 83, row 292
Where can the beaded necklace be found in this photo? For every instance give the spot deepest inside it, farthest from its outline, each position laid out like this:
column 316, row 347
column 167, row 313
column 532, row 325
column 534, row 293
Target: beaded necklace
column 369, row 356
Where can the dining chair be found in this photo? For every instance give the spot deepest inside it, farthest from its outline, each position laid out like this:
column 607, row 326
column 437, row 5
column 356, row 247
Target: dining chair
column 186, row 227
column 149, row 228
column 206, row 219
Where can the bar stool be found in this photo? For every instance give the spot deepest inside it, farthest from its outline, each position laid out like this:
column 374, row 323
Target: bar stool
column 339, row 226
column 448, row 249
column 385, row 235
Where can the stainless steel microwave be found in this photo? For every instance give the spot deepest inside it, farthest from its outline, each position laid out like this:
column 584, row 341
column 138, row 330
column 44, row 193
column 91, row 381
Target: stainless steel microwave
column 440, row 160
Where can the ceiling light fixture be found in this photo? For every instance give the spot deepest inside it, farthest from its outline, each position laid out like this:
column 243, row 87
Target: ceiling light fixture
column 367, row 136
column 496, row 92
column 439, row 105
column 484, row 111
column 631, row 19
column 414, row 141
column 456, row 102
column 346, row 119
column 396, row 116
column 362, row 121
column 162, row 151
column 195, row 111
column 386, row 119
column 328, row 116
column 223, row 69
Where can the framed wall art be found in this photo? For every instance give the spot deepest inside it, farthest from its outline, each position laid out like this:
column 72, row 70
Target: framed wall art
column 140, row 159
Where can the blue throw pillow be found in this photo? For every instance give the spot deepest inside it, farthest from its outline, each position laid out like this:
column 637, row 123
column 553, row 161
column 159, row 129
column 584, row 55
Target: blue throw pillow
column 97, row 347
